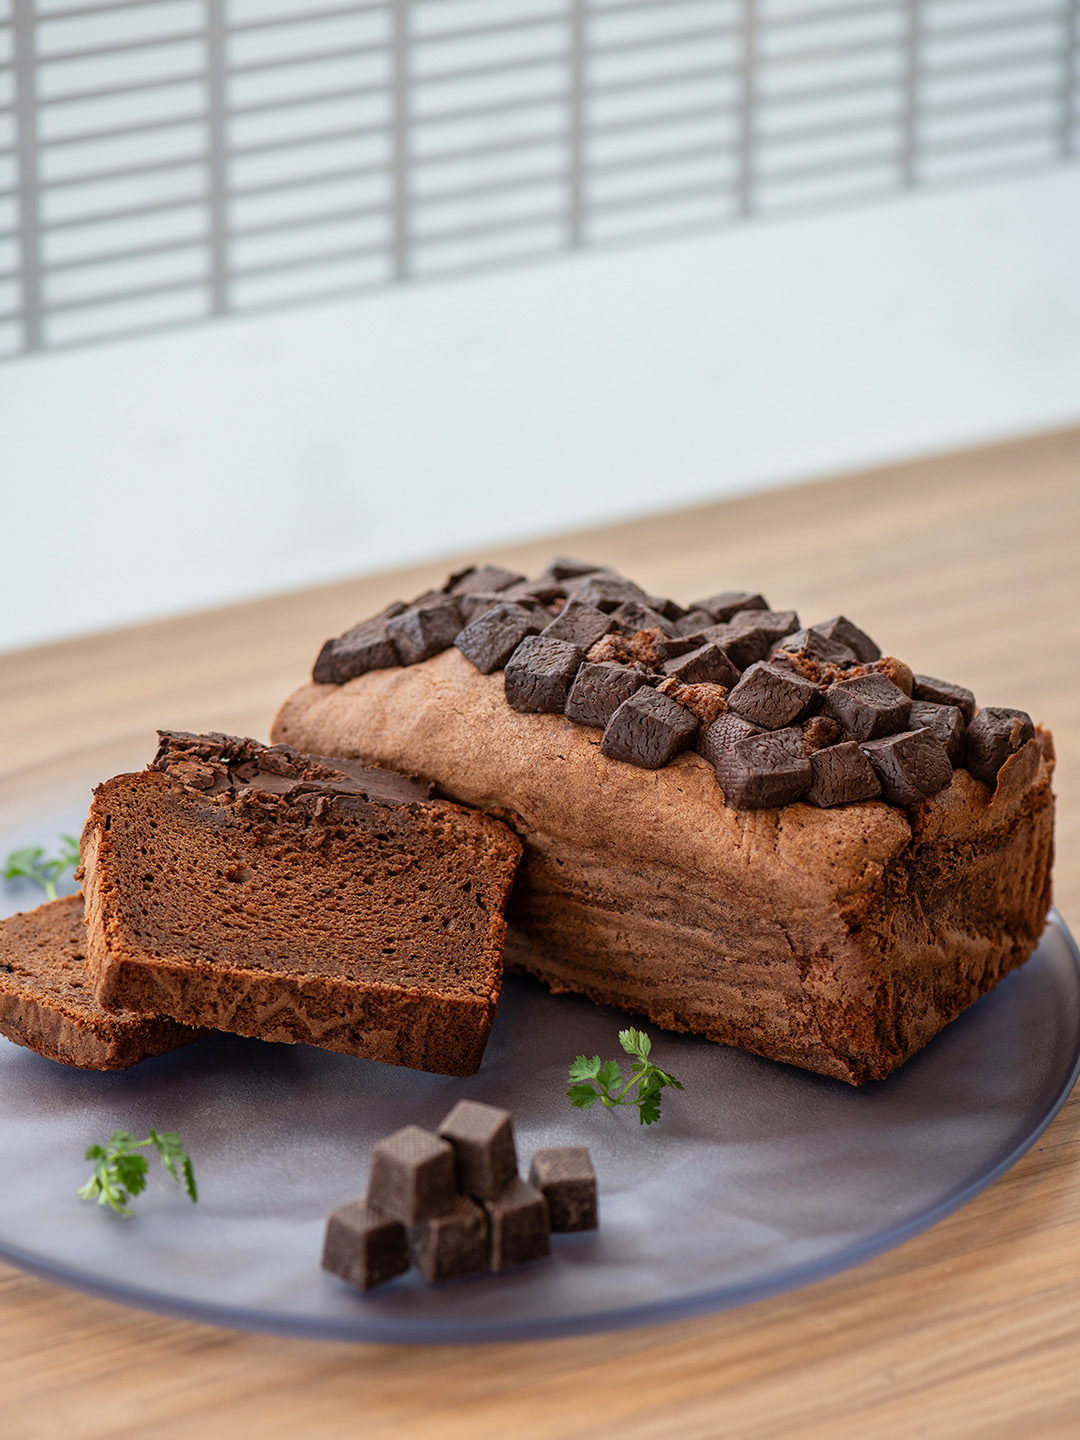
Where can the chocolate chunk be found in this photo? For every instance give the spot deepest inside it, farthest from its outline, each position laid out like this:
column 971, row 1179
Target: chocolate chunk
column 728, row 603
column 946, row 721
column 564, row 568
column 994, row 735
column 867, row 706
column 490, row 641
column 412, row 1175
column 665, row 607
column 566, row 1179
column 840, row 629
column 704, row 700
column 910, row 765
column 840, row 775
column 517, row 1225
column 483, row 1141
column 425, row 629
column 764, row 772
column 451, row 1245
column 694, row 622
column 772, row 696
column 707, row 664
column 648, row 730
column 941, row 692
column 598, row 691
column 632, row 616
column 363, row 1246
column 817, row 645
column 365, row 647
column 716, row 739
column 544, row 592
column 482, row 578
column 581, row 624
column 606, row 591
column 821, row 730
column 751, row 634
column 540, row 673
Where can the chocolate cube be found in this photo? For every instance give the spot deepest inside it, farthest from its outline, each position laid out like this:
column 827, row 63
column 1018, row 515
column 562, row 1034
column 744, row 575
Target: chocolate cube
column 648, row 730
column 840, row 629
column 363, row 1246
column 579, row 623
column 840, row 775
column 772, row 696
column 946, row 721
column 910, row 766
column 412, row 1175
column 425, row 629
column 728, row 603
column 566, row 1179
column 565, row 568
column 750, row 634
column 598, row 691
column 539, row 675
column 817, row 645
column 542, row 591
column 483, row 1141
column 867, row 706
column 490, row 641
column 694, row 622
column 518, row 1225
column 715, row 739
column 994, row 735
column 765, row 772
column 706, row 665
column 941, row 692
column 364, row 647
column 482, row 578
column 633, row 615
column 451, row 1245
column 604, row 590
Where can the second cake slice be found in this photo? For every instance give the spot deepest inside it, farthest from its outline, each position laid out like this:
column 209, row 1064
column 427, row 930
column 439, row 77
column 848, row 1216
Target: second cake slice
column 253, row 889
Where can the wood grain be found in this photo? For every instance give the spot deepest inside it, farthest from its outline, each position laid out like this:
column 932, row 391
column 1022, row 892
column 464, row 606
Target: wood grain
column 966, row 566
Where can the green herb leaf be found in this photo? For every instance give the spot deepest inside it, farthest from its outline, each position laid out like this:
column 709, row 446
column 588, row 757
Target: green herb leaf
column 30, row 863
column 591, row 1080
column 120, row 1171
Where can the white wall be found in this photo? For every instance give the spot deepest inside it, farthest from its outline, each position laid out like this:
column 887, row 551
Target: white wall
column 149, row 477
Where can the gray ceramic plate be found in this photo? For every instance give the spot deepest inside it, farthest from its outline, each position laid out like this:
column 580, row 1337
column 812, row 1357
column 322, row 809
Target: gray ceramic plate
column 759, row 1178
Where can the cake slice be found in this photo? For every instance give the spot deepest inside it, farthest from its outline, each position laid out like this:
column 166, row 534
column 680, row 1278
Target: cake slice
column 47, row 1004
column 268, row 893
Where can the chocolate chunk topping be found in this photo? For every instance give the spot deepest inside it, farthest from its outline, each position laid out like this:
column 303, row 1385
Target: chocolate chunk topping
column 750, row 634
column 564, row 568
column 607, row 592
column 412, row 1175
column 946, row 721
column 483, row 1141
column 581, row 624
column 544, row 592
column 482, row 578
column 425, row 629
column 632, row 616
column 451, row 1245
column 567, row 1180
column 665, row 607
column 648, row 730
column 706, row 664
column 772, row 696
column 941, row 692
column 365, row 647
column 518, row 1225
column 994, row 735
column 840, row 775
column 598, row 691
column 815, row 644
column 910, row 765
column 716, row 739
column 363, row 1246
column 490, row 641
column 840, row 629
column 728, row 603
column 765, row 771
column 694, row 622
column 867, row 706
column 540, row 673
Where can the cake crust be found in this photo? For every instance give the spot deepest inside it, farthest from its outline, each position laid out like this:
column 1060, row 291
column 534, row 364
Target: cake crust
column 840, row 940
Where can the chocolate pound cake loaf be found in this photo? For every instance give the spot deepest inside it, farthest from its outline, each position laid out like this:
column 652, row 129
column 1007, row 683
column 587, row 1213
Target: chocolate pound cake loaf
column 766, row 834
column 48, row 1005
column 257, row 890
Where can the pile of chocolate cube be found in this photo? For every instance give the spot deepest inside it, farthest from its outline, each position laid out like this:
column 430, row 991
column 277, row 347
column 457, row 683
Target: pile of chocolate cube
column 453, row 1204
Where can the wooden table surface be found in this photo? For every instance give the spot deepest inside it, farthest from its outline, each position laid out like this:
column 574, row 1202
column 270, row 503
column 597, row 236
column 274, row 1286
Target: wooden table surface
column 966, row 566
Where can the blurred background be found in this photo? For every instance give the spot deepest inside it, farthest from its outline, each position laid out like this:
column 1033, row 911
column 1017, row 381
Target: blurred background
column 290, row 292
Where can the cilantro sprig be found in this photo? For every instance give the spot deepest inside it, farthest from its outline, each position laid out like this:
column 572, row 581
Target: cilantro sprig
column 120, row 1171
column 591, row 1080
column 31, row 863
